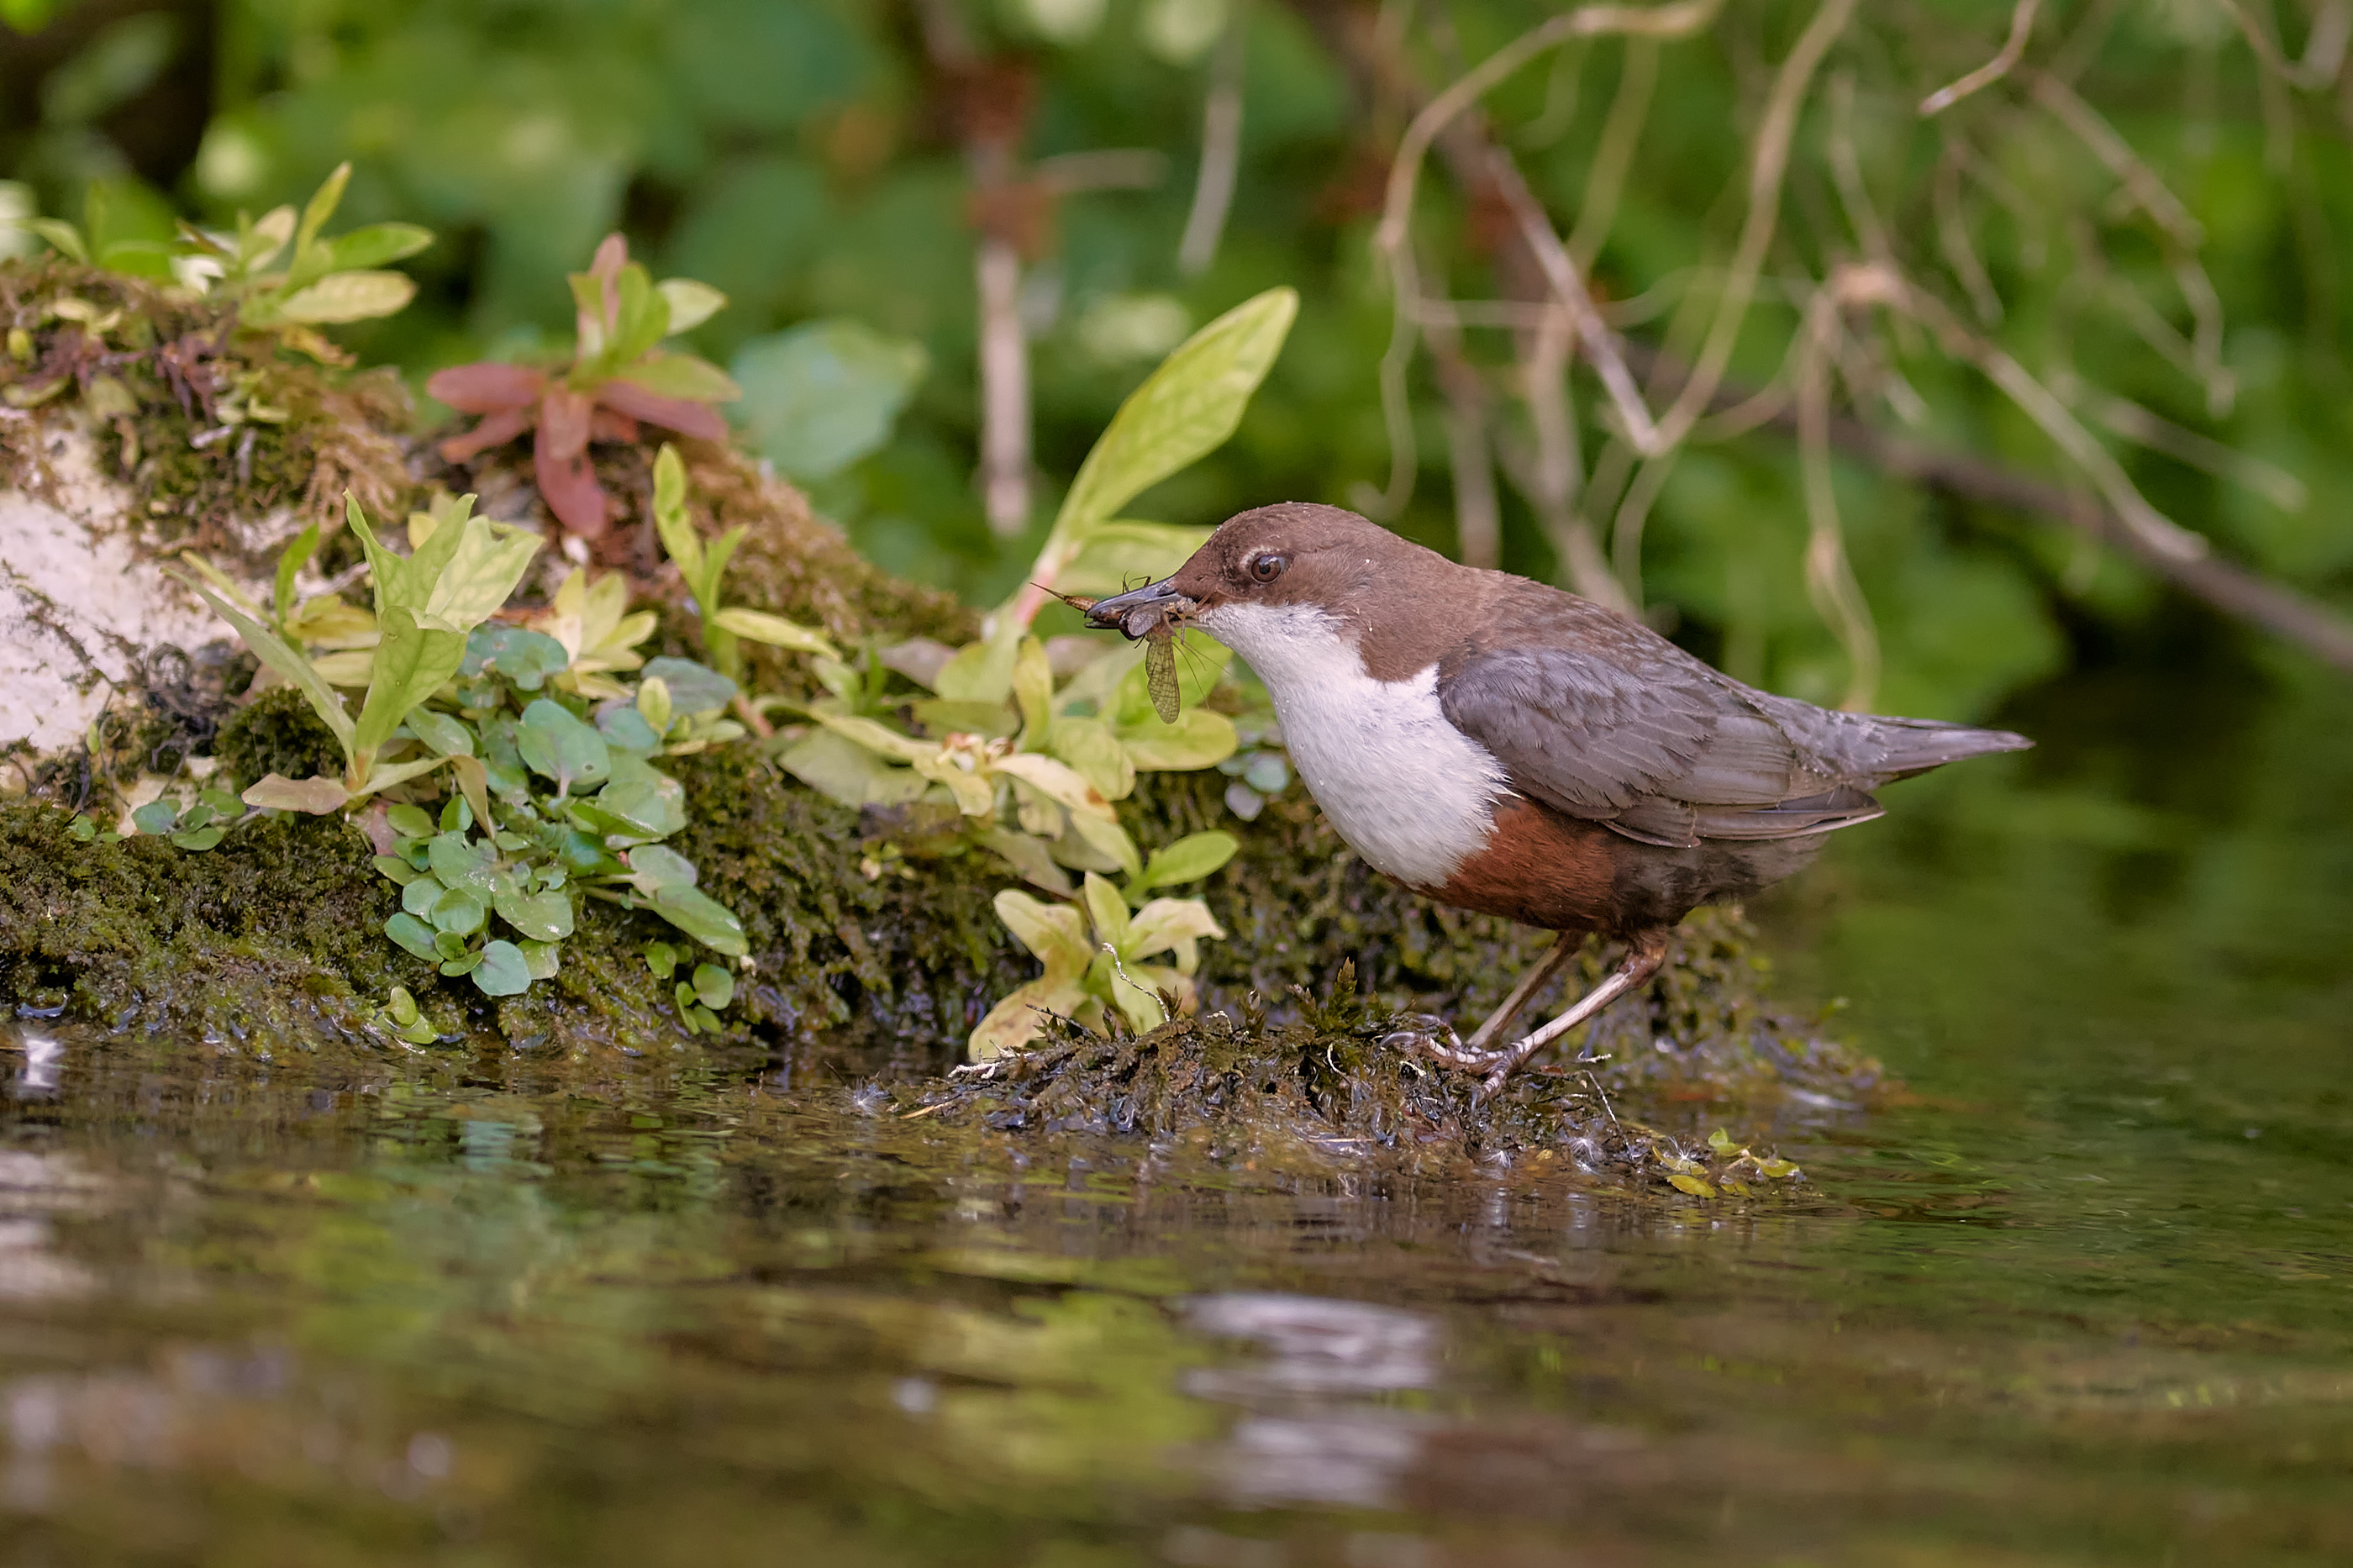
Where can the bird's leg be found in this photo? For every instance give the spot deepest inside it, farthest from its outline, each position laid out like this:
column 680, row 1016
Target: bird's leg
column 1474, row 1053
column 1533, row 982
column 1643, row 956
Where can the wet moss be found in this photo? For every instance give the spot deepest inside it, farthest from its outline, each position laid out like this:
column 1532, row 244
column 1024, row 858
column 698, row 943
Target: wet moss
column 277, row 732
column 229, row 442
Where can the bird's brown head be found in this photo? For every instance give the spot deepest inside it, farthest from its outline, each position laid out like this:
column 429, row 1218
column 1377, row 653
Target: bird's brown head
column 1294, row 556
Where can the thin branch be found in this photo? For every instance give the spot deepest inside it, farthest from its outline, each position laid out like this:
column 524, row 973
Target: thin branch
column 2148, row 192
column 1605, row 179
column 1770, row 162
column 2274, row 607
column 1676, row 20
column 1101, row 169
column 2324, row 45
column 2136, row 424
column 1221, row 152
column 1004, row 387
column 1953, row 239
column 1478, row 518
column 2021, row 24
column 1829, row 577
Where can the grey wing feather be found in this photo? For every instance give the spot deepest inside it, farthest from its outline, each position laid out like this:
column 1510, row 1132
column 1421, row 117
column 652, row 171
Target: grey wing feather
column 1663, row 750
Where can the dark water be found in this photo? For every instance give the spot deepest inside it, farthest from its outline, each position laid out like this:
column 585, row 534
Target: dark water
column 2086, row 1298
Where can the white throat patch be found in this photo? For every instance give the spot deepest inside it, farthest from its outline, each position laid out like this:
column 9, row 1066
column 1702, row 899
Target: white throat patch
column 1410, row 793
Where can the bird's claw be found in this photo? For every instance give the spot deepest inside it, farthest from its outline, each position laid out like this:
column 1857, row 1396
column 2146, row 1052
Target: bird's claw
column 1434, row 1037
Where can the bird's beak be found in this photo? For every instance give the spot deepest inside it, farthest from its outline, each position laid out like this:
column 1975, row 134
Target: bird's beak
column 1139, row 610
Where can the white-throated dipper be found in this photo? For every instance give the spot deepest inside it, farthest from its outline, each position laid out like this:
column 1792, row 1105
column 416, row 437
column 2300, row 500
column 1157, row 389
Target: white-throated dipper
column 1508, row 748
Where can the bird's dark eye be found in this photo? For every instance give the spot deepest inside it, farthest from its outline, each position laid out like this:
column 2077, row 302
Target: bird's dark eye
column 1267, row 568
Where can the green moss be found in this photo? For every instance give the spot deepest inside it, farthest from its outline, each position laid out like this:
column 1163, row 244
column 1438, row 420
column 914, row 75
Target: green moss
column 277, row 732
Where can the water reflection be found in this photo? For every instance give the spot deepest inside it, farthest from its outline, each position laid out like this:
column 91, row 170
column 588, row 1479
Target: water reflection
column 1301, row 1439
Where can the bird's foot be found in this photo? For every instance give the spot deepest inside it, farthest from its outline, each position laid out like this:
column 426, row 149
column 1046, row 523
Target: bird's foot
column 1431, row 1036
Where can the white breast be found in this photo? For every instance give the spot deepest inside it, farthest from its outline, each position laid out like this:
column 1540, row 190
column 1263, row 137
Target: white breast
column 1410, row 793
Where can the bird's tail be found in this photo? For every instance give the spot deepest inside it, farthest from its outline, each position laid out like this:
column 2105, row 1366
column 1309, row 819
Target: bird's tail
column 1882, row 749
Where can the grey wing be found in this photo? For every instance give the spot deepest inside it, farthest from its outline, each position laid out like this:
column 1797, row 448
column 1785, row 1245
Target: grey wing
column 1658, row 747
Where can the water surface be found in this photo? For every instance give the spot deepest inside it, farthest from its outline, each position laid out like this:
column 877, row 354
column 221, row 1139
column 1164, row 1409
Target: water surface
column 2085, row 1296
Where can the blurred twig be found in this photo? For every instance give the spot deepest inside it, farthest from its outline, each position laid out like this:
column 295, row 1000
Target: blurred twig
column 1221, row 151
column 2021, row 24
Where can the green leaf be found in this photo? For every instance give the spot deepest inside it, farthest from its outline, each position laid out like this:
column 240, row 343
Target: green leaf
column 62, row 236
column 1188, row 860
column 693, row 687
column 1056, row 933
column 199, row 839
column 1033, row 691
column 222, row 802
column 383, row 775
column 653, row 867
column 1697, row 1186
column 1028, row 855
column 690, row 303
column 448, row 737
column 411, row 821
column 558, row 746
column 840, row 769
column 459, row 912
column 273, row 651
column 460, row 864
column 315, row 213
column 526, row 657
column 1119, row 553
column 1720, row 1140
column 821, row 396
column 677, row 536
column 411, row 663
column 1199, row 739
column 1110, row 839
column 648, row 806
column 156, row 816
column 1017, row 1020
column 421, row 894
column 703, row 918
column 1184, row 409
column 413, row 934
column 1095, row 754
column 688, row 377
column 661, row 958
column 348, row 297
column 398, row 870
column 290, row 560
column 541, row 958
column 626, row 730
column 713, row 986
column 504, row 970
column 979, row 672
column 1108, row 911
column 760, row 627
column 376, row 244
column 489, row 561
column 644, row 318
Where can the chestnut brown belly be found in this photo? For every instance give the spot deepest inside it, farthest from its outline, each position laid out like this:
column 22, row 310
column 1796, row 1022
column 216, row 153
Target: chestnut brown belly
column 1543, row 868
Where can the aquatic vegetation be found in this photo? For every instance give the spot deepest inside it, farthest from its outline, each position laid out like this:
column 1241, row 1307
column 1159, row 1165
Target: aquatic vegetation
column 619, row 376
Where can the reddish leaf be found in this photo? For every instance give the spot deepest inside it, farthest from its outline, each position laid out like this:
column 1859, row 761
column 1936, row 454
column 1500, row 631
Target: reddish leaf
column 671, row 412
column 495, row 430
column 569, row 487
column 564, row 416
column 606, row 425
column 486, row 386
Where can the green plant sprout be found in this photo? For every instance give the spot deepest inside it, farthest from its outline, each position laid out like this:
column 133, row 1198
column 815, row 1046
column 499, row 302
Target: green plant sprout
column 620, row 376
column 1093, row 952
column 323, row 281
column 702, row 566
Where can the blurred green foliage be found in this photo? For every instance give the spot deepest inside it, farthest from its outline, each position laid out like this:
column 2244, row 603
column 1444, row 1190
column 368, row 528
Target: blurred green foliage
column 810, row 158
